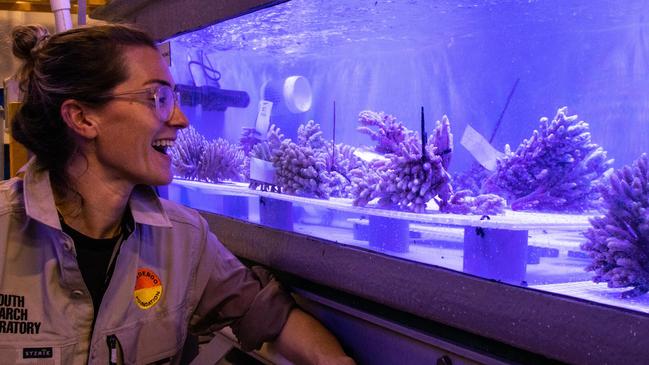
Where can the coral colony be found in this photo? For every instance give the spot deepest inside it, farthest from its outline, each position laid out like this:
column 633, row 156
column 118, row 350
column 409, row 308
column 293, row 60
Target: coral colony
column 390, row 133
column 194, row 158
column 297, row 172
column 249, row 138
column 404, row 179
column 221, row 161
column 471, row 179
column 618, row 242
column 264, row 151
column 557, row 169
column 463, row 202
column 409, row 177
column 336, row 164
column 341, row 167
column 187, row 152
column 310, row 135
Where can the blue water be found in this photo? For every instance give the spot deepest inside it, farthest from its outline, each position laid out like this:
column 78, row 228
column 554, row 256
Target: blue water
column 459, row 58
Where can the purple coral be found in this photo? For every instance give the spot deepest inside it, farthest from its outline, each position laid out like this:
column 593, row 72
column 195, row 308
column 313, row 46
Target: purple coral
column 309, row 134
column 265, row 151
column 472, row 179
column 389, row 134
column 443, row 141
column 249, row 138
column 462, row 202
column 297, row 173
column 341, row 165
column 220, row 161
column 618, row 242
column 298, row 166
column 335, row 163
column 194, row 158
column 557, row 169
column 408, row 178
column 186, row 153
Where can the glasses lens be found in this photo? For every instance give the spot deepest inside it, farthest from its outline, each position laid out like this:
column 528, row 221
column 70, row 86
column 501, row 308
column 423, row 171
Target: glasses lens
column 164, row 102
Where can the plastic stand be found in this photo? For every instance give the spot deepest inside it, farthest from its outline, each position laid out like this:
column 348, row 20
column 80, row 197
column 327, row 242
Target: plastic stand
column 234, row 206
column 498, row 254
column 388, row 234
column 276, row 213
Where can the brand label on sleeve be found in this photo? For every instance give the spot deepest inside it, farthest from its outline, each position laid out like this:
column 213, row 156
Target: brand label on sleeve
column 37, row 353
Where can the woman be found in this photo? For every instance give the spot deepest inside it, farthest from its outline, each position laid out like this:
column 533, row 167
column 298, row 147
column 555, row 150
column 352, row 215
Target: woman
column 94, row 267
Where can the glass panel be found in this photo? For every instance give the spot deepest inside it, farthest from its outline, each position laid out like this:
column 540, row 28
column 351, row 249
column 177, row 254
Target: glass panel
column 311, row 116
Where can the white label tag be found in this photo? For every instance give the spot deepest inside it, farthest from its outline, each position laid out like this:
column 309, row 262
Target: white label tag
column 263, row 117
column 368, row 156
column 480, row 148
column 261, row 170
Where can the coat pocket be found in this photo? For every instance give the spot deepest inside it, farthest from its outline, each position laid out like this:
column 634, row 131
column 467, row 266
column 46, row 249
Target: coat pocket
column 153, row 340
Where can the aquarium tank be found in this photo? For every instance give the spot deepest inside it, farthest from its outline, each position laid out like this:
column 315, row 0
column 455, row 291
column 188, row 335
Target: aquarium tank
column 501, row 139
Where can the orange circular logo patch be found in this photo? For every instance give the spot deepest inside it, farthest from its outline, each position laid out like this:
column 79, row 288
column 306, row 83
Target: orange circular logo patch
column 148, row 288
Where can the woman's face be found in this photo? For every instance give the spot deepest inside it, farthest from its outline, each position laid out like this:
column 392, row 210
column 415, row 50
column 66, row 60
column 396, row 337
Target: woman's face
column 130, row 144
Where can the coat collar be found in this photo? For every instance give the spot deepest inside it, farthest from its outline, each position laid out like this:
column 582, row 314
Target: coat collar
column 146, row 207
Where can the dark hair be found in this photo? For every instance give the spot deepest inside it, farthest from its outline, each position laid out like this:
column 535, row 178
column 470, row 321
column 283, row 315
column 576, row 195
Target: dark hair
column 82, row 64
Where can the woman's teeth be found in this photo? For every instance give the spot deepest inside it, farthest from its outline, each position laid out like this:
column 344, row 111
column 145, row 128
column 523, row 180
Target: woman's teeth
column 162, row 145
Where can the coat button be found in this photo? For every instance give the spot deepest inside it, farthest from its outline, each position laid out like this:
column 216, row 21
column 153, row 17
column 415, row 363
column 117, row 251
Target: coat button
column 67, row 244
column 77, row 293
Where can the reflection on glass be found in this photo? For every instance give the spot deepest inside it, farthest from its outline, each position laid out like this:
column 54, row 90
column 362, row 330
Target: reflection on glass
column 503, row 139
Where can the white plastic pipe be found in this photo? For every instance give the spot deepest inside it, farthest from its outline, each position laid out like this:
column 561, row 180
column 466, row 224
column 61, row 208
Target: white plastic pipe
column 62, row 18
column 81, row 13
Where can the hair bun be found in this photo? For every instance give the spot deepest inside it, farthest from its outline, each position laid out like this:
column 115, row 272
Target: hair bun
column 27, row 39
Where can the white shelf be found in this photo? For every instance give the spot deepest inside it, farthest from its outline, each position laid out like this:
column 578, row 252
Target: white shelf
column 560, row 239
column 600, row 293
column 509, row 220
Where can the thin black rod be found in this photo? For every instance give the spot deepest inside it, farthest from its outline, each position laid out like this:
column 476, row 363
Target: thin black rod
column 509, row 98
column 333, row 152
column 423, row 134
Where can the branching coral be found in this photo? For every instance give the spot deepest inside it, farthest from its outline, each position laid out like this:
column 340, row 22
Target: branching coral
column 221, row 161
column 618, row 242
column 249, row 138
column 335, row 164
column 341, row 165
column 557, row 169
column 309, row 134
column 389, row 134
column 265, row 151
column 296, row 171
column 443, row 141
column 462, row 202
column 194, row 158
column 408, row 178
column 471, row 179
column 186, row 153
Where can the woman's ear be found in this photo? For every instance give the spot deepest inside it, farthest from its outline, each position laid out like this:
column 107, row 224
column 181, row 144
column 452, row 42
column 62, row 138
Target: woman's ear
column 78, row 117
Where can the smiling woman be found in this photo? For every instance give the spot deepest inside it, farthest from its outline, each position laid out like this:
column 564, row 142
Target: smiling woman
column 83, row 225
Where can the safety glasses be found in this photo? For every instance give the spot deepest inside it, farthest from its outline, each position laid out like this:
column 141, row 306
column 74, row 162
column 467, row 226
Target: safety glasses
column 163, row 97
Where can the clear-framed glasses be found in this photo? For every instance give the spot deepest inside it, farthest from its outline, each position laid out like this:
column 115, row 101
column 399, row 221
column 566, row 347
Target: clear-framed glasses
column 163, row 97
